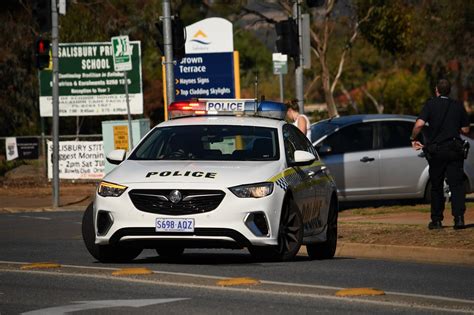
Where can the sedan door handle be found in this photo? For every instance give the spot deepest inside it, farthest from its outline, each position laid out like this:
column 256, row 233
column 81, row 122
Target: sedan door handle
column 366, row 159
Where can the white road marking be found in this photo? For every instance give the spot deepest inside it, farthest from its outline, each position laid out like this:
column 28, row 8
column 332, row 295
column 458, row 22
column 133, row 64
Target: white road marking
column 255, row 290
column 90, row 305
column 33, row 217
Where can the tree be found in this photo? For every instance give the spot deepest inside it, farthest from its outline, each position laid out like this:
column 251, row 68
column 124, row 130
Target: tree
column 320, row 39
column 320, row 33
column 18, row 82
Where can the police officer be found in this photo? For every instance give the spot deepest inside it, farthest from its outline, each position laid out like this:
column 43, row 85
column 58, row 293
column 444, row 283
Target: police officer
column 447, row 119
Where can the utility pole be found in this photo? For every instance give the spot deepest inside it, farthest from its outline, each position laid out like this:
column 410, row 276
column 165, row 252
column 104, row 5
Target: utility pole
column 168, row 47
column 299, row 84
column 55, row 40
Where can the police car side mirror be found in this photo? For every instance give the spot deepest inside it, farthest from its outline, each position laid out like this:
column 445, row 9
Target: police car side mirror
column 303, row 158
column 116, row 156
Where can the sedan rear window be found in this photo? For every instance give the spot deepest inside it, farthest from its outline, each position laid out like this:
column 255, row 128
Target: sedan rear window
column 321, row 129
column 205, row 142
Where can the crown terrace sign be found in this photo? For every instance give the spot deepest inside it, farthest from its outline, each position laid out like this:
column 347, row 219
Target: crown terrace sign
column 210, row 68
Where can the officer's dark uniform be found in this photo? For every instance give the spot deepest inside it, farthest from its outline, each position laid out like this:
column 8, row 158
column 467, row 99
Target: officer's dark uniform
column 446, row 161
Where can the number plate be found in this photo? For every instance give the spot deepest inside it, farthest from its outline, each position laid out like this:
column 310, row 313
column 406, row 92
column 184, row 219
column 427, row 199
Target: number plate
column 174, row 225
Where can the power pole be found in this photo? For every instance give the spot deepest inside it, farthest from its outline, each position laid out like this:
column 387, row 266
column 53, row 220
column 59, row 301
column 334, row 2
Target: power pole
column 168, row 47
column 55, row 41
column 299, row 84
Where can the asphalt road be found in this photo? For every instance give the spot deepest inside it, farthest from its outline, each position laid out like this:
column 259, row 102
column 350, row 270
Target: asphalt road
column 189, row 285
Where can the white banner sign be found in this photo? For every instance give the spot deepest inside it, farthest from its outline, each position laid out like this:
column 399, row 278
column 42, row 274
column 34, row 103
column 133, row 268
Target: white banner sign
column 212, row 35
column 78, row 159
column 11, row 148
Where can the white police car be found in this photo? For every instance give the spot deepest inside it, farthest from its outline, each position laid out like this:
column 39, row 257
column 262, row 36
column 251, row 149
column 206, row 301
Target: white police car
column 225, row 174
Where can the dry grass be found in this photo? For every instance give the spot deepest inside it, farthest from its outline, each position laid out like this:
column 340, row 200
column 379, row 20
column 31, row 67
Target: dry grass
column 404, row 234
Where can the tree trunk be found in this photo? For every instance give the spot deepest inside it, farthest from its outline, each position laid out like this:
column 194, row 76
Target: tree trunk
column 331, row 105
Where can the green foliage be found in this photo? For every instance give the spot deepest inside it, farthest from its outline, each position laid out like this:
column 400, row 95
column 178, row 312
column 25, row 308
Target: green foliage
column 18, row 81
column 390, row 26
column 255, row 59
column 400, row 92
column 364, row 62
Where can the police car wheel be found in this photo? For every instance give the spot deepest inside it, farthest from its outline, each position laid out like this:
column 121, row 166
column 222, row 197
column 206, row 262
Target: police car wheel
column 327, row 249
column 104, row 253
column 290, row 236
column 170, row 252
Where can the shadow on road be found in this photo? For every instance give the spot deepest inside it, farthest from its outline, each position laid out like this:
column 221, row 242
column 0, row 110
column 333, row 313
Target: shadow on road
column 213, row 259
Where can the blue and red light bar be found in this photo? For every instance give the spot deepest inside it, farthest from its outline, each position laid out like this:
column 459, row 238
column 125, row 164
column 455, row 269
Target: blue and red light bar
column 230, row 107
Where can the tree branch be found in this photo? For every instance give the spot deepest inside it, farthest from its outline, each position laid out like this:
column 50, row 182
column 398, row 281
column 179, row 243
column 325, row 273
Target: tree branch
column 260, row 15
column 349, row 46
column 350, row 98
column 313, row 82
column 315, row 51
column 372, row 98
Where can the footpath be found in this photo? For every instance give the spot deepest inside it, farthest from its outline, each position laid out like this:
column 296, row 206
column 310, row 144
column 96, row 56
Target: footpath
column 378, row 233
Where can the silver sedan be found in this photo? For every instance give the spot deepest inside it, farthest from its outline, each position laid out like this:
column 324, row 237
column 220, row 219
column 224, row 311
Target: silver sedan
column 371, row 158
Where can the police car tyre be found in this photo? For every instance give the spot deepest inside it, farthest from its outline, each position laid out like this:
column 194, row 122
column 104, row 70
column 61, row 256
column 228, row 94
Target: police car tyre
column 290, row 236
column 170, row 252
column 327, row 249
column 104, row 253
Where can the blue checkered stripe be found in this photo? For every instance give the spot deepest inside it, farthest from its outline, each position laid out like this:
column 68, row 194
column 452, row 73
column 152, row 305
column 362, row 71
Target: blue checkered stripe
column 282, row 183
column 288, row 180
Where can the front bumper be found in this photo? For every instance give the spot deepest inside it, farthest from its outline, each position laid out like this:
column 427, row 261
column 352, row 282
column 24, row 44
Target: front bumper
column 230, row 225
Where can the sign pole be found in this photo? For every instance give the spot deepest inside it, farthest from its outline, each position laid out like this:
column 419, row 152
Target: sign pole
column 168, row 46
column 122, row 53
column 130, row 133
column 281, row 88
column 55, row 40
column 299, row 84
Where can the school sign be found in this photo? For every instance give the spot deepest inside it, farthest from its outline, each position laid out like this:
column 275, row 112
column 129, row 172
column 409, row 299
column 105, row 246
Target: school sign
column 88, row 83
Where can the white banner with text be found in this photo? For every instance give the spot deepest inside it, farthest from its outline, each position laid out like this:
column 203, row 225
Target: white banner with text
column 78, row 159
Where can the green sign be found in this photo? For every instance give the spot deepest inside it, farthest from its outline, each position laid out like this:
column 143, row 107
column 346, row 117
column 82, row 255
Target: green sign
column 89, row 84
column 122, row 53
column 280, row 65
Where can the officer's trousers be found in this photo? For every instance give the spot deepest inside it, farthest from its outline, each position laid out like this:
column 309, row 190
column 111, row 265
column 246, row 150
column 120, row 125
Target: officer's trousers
column 447, row 164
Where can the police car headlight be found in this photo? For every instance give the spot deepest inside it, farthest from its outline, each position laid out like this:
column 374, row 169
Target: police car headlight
column 107, row 189
column 253, row 190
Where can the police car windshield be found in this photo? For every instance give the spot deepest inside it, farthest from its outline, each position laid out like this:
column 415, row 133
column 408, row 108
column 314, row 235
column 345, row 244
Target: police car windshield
column 204, row 142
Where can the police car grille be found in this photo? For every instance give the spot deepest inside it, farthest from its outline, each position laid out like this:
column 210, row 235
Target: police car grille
column 193, row 201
